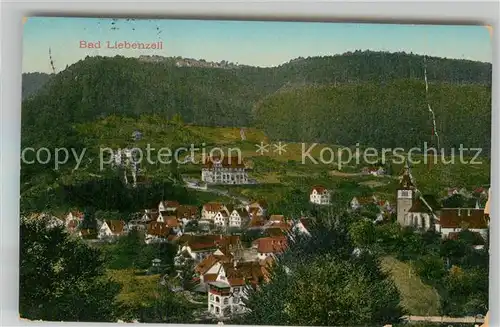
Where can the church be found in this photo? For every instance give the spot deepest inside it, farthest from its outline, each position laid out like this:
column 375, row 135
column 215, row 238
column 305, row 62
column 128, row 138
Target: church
column 412, row 210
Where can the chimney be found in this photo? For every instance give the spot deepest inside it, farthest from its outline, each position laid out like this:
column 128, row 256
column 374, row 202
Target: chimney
column 459, row 212
column 468, row 212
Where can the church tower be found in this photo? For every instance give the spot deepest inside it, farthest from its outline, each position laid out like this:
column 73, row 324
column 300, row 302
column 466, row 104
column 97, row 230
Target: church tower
column 405, row 194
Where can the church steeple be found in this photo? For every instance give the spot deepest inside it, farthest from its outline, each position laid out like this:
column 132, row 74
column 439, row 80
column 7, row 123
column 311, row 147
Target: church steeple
column 405, row 180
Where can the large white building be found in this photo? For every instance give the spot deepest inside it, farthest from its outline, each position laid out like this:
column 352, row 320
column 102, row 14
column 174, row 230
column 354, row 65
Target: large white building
column 228, row 170
column 320, row 195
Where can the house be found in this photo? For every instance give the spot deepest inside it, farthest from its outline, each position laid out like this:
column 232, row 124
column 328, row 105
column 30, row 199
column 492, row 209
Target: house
column 228, row 170
column 319, row 195
column 221, row 219
column 211, row 209
column 198, row 247
column 302, row 226
column 358, row 202
column 168, row 206
column 231, row 285
column 73, row 221
column 256, row 222
column 208, row 268
column 270, row 246
column 157, row 232
column 187, row 212
column 257, row 208
column 238, row 218
column 149, row 216
column 457, row 219
column 173, row 223
column 111, row 229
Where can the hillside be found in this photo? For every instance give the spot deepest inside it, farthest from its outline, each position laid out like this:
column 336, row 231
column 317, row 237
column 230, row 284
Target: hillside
column 353, row 83
column 32, row 82
column 379, row 115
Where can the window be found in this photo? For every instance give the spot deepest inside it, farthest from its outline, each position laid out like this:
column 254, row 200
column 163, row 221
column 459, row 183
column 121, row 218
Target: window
column 211, row 297
column 236, row 290
column 226, row 301
column 236, row 300
column 217, row 299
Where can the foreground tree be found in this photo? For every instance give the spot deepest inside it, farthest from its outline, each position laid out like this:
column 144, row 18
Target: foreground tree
column 61, row 278
column 322, row 281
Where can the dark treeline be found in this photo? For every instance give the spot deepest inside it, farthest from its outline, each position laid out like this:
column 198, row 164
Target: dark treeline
column 356, row 95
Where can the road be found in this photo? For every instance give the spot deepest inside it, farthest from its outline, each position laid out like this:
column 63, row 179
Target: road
column 444, row 319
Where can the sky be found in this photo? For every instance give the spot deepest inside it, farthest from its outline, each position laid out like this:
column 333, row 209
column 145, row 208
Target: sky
column 254, row 43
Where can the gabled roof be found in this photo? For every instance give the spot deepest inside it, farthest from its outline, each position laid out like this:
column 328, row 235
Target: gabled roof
column 455, row 217
column 187, row 211
column 159, row 229
column 213, row 206
column 116, row 226
column 419, row 207
column 172, row 221
column 275, row 244
column 319, row 189
column 170, row 204
column 245, row 272
column 210, row 261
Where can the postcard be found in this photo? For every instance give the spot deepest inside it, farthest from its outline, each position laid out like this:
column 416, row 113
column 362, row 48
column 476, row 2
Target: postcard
column 254, row 172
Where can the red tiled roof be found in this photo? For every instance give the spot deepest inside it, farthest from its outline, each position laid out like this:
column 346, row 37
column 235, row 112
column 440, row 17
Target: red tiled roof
column 213, row 206
column 319, row 189
column 158, row 229
column 275, row 244
column 185, row 211
column 226, row 162
column 455, row 217
column 171, row 221
column 170, row 204
column 210, row 261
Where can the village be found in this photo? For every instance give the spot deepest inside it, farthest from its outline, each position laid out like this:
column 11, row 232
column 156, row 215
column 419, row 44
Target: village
column 225, row 266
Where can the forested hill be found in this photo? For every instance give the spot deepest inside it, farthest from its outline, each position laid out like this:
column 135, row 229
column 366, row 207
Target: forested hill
column 391, row 115
column 99, row 86
column 32, row 82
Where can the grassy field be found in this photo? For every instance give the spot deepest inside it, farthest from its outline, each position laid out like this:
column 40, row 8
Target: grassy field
column 418, row 298
column 135, row 288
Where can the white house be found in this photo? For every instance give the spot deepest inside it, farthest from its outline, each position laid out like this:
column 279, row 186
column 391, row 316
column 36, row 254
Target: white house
column 221, row 219
column 357, row 203
column 228, row 170
column 73, row 220
column 237, row 218
column 157, row 232
column 111, row 229
column 168, row 206
column 320, row 195
column 419, row 216
column 229, row 290
column 211, row 209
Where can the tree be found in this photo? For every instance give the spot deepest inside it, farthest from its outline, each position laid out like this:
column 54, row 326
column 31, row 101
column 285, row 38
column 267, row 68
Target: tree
column 326, row 292
column 168, row 307
column 319, row 281
column 362, row 233
column 62, row 278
